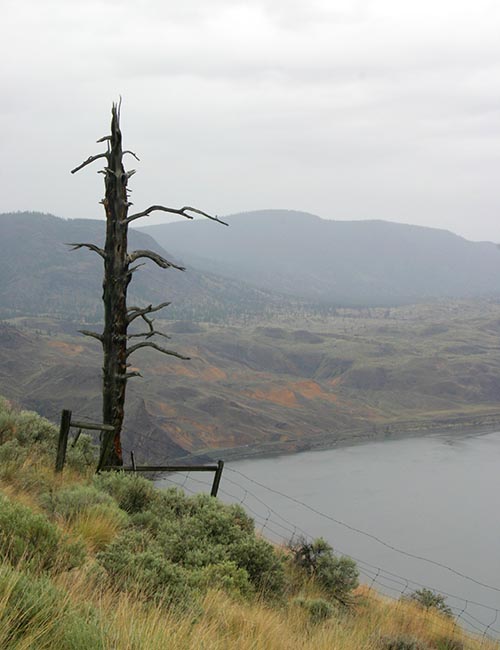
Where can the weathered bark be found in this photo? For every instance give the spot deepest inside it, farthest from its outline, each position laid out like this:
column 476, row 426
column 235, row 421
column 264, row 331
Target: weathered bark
column 115, row 283
column 117, row 276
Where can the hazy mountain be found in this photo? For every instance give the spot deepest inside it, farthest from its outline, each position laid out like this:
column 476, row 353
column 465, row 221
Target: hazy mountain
column 41, row 275
column 346, row 262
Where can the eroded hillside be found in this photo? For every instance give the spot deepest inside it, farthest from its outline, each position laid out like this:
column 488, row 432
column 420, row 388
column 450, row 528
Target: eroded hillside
column 279, row 386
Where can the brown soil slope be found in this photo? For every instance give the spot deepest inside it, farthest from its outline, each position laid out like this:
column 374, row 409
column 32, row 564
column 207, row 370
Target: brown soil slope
column 281, row 387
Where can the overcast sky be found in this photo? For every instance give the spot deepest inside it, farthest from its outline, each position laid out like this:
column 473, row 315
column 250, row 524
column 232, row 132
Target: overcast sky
column 370, row 109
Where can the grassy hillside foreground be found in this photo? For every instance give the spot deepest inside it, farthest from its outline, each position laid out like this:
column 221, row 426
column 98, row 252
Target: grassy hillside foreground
column 109, row 562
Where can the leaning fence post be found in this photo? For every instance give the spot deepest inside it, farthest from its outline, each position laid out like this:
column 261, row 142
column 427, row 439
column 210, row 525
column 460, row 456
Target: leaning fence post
column 107, row 442
column 62, row 443
column 217, row 478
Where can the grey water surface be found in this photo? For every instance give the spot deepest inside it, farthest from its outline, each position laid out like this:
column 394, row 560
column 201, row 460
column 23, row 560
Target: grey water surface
column 436, row 497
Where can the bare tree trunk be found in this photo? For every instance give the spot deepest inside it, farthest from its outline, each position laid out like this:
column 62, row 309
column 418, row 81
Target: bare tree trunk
column 115, row 283
column 117, row 276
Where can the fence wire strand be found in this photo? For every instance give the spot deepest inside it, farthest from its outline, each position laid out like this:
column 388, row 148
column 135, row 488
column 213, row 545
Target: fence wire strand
column 375, row 576
column 367, row 534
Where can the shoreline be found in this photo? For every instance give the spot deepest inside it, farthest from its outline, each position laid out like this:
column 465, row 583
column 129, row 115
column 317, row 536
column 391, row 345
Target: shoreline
column 355, row 437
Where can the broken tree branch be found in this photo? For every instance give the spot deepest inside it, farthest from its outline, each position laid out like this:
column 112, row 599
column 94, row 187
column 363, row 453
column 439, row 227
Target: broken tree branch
column 128, row 375
column 132, row 154
column 157, row 259
column 150, row 344
column 134, row 268
column 91, row 247
column 149, row 335
column 148, row 321
column 135, row 312
column 89, row 160
column 182, row 211
column 94, row 335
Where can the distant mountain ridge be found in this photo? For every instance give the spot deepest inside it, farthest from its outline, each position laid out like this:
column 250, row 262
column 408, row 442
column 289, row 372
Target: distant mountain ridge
column 41, row 275
column 273, row 260
column 339, row 262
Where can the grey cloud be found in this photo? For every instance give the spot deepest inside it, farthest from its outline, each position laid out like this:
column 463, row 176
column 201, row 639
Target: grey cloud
column 348, row 109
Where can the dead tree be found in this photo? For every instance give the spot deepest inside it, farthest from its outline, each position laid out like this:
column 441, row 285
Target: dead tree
column 118, row 270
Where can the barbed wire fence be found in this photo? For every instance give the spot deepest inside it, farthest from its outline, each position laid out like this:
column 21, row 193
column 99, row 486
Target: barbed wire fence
column 479, row 618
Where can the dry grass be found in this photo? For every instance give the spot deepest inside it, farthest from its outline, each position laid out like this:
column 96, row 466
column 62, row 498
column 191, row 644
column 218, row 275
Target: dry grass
column 35, row 473
column 224, row 623
column 97, row 527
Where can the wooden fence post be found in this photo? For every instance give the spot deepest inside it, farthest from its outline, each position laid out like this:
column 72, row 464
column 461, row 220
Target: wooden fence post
column 217, row 478
column 63, row 439
column 105, row 446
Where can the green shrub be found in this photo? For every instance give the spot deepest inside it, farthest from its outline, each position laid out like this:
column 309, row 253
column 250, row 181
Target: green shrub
column 319, row 610
column 241, row 519
column 264, row 568
column 338, row 576
column 12, row 451
column 7, row 422
column 23, row 430
column 83, row 454
column 27, row 427
column 217, row 522
column 403, row 642
column 31, row 432
column 226, row 575
column 70, row 502
column 12, row 456
column 35, row 614
column 428, row 599
column 4, row 405
column 202, row 534
column 30, row 538
column 214, row 545
column 171, row 503
column 132, row 493
column 208, row 532
column 146, row 520
column 135, row 562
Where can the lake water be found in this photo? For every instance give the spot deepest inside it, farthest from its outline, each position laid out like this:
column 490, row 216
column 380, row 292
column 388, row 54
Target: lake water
column 436, row 497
